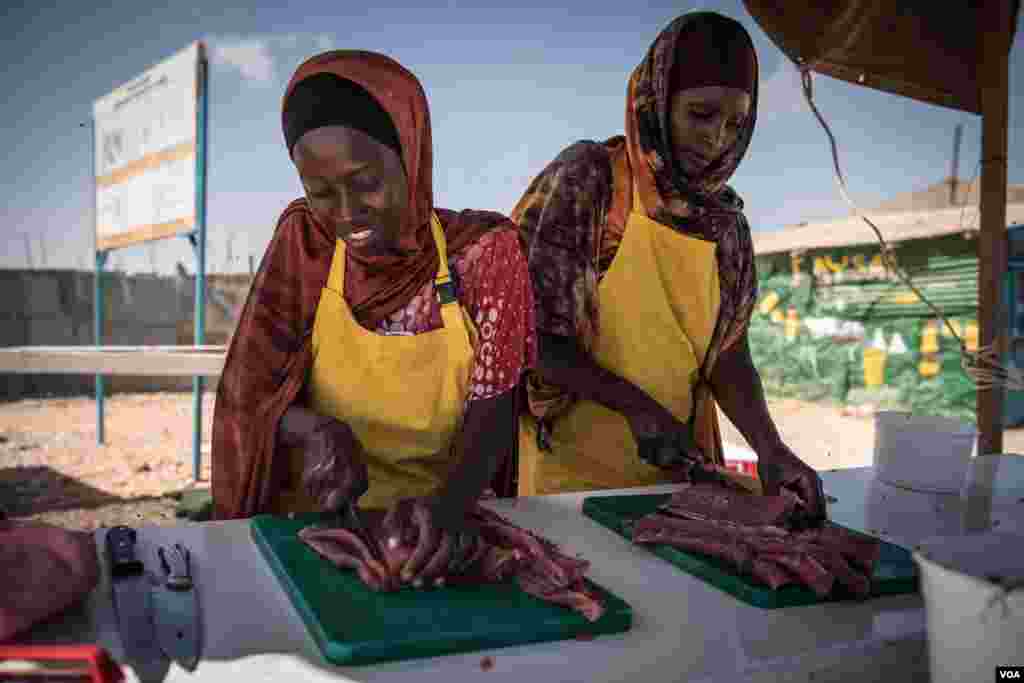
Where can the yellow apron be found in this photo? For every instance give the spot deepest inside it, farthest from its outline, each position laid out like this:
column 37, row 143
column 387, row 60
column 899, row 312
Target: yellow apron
column 658, row 305
column 403, row 396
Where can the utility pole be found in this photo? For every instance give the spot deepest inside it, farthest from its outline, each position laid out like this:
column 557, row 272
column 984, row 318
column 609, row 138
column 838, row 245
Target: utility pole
column 28, row 250
column 954, row 177
column 227, row 266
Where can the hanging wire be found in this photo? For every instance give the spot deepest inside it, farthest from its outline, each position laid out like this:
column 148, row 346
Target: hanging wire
column 983, row 366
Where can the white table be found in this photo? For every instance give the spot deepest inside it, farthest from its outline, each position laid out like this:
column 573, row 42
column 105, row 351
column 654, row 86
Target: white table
column 684, row 629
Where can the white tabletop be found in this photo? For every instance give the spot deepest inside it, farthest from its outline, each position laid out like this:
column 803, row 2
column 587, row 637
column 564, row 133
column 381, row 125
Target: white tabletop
column 684, row 629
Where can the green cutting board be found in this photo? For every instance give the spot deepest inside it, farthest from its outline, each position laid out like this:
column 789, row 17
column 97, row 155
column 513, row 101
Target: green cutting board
column 354, row 625
column 894, row 574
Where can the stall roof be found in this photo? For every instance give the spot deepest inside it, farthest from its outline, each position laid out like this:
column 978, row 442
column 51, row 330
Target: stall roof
column 923, row 49
column 895, row 227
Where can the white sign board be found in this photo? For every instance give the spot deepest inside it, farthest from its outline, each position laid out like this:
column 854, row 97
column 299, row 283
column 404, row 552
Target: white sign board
column 145, row 163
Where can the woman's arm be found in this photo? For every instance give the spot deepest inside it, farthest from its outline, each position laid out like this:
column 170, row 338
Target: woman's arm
column 496, row 294
column 564, row 364
column 738, row 390
column 297, row 424
column 488, row 439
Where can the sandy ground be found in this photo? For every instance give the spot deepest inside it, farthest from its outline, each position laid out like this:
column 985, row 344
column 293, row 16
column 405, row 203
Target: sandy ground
column 52, row 469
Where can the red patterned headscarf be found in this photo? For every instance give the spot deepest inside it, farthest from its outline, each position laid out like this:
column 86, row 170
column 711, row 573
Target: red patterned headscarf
column 378, row 285
column 270, row 353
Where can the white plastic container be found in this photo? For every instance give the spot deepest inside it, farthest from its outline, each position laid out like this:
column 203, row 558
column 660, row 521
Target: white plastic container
column 973, row 623
column 992, row 498
column 922, row 452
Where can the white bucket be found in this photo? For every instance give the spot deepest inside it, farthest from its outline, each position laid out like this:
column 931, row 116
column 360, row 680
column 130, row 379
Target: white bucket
column 922, row 452
column 974, row 624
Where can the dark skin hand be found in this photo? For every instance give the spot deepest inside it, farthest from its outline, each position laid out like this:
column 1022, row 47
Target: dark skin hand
column 564, row 364
column 334, row 471
column 438, row 523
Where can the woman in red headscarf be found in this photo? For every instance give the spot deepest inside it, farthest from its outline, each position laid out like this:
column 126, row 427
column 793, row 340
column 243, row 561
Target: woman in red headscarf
column 642, row 268
column 382, row 342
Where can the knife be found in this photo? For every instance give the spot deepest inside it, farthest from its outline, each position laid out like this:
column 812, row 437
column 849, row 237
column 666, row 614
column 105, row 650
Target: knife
column 175, row 607
column 132, row 605
column 350, row 517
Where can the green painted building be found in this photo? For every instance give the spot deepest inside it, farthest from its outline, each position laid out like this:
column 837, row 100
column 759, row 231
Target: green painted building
column 833, row 323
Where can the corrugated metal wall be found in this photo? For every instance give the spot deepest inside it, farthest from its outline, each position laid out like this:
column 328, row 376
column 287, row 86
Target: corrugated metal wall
column 824, row 312
column 941, row 271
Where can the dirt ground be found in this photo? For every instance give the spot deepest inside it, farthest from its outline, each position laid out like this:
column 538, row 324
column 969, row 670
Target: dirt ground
column 52, row 469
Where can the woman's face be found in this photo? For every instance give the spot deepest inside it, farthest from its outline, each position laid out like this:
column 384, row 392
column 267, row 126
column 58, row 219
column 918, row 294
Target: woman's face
column 355, row 186
column 706, row 122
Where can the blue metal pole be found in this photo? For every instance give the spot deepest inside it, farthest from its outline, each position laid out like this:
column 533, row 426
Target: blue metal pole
column 200, row 249
column 101, row 260
column 97, row 300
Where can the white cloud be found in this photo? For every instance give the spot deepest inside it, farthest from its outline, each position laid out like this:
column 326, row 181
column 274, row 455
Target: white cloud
column 251, row 57
column 256, row 56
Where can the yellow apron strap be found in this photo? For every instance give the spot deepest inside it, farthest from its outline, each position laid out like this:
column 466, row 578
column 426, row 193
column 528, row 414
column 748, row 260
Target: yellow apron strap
column 443, row 275
column 451, row 312
column 442, row 282
column 443, row 285
column 336, row 276
column 638, row 205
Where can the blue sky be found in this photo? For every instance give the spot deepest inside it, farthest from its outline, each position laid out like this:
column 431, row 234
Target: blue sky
column 508, row 88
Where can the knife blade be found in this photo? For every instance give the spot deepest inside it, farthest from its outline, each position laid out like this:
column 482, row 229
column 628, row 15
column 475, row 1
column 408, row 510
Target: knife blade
column 348, row 517
column 132, row 605
column 351, row 517
column 176, row 608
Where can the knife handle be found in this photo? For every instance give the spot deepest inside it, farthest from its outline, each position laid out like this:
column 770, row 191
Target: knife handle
column 177, row 563
column 121, row 551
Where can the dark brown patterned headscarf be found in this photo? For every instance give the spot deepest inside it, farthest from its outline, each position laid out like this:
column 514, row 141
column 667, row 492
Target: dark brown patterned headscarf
column 573, row 215
column 669, row 196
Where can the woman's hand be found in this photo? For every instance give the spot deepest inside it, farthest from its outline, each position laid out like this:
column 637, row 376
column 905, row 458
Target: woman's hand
column 662, row 440
column 334, row 471
column 779, row 467
column 442, row 539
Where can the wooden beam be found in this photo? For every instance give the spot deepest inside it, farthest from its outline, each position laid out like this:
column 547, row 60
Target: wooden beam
column 993, row 77
column 159, row 361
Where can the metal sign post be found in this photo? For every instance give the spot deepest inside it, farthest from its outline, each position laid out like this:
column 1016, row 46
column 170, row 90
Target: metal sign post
column 97, row 306
column 149, row 178
column 97, row 299
column 198, row 240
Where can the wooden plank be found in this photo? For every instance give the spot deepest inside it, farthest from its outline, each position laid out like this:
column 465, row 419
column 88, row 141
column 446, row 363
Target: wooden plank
column 183, row 150
column 105, row 239
column 183, row 361
column 993, row 76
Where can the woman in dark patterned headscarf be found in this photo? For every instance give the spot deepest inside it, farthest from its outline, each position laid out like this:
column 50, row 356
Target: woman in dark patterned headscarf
column 643, row 274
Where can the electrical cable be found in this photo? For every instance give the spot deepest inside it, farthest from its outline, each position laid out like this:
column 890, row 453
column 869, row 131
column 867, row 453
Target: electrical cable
column 981, row 366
